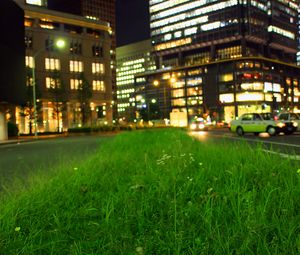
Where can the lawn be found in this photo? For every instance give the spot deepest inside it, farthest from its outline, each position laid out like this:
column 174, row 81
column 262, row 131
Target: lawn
column 158, row 192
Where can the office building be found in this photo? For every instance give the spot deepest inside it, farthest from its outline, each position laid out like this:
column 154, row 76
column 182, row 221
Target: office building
column 103, row 10
column 131, row 59
column 73, row 84
column 225, row 57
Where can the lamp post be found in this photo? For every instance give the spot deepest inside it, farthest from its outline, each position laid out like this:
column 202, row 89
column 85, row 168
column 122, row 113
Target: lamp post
column 59, row 44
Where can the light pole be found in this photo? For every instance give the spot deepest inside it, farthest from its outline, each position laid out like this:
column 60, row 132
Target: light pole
column 59, row 44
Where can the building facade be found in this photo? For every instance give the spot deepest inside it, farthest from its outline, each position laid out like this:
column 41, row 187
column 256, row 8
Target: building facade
column 232, row 48
column 132, row 59
column 103, row 10
column 73, row 84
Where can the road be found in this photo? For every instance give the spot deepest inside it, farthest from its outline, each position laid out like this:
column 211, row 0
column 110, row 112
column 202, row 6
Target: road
column 21, row 159
column 283, row 145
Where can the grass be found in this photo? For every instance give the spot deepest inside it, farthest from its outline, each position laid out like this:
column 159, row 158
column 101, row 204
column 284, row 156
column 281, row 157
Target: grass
column 159, row 192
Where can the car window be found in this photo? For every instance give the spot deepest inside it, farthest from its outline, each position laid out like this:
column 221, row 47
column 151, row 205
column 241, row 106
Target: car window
column 267, row 116
column 284, row 116
column 256, row 117
column 247, row 117
column 294, row 116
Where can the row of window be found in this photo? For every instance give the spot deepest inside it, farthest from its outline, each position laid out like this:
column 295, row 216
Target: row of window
column 75, row 84
column 74, row 65
column 75, row 47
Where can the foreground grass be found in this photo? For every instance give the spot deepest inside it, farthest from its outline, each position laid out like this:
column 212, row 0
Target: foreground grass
column 159, row 192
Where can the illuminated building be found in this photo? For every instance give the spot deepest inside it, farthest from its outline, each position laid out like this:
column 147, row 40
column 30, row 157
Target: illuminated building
column 244, row 51
column 131, row 59
column 103, row 10
column 84, row 60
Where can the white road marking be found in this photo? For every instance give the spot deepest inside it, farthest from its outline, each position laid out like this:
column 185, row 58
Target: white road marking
column 294, row 157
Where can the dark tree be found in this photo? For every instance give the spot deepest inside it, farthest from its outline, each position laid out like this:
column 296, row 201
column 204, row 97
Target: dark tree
column 58, row 96
column 85, row 94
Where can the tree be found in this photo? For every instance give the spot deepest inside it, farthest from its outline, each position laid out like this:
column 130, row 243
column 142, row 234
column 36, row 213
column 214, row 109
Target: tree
column 58, row 96
column 85, row 94
column 27, row 108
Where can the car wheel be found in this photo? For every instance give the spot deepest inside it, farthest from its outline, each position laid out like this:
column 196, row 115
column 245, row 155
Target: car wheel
column 240, row 131
column 271, row 131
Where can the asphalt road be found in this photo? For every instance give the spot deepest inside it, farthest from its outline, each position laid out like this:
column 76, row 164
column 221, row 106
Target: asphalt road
column 21, row 159
column 282, row 145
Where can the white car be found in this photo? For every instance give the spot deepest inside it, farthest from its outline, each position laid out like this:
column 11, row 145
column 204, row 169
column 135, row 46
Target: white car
column 290, row 117
column 259, row 123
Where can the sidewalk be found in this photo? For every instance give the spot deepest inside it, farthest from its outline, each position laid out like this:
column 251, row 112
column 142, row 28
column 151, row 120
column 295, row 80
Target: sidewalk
column 22, row 139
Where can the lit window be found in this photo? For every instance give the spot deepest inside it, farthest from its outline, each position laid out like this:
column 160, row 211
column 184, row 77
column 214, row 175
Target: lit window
column 52, row 83
column 29, row 61
column 97, row 68
column 98, row 85
column 76, row 66
column 52, row 64
column 74, row 84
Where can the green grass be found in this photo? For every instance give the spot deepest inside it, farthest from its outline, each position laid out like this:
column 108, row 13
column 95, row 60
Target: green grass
column 159, row 192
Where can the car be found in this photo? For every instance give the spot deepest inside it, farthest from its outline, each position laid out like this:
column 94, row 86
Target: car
column 290, row 117
column 258, row 123
column 198, row 124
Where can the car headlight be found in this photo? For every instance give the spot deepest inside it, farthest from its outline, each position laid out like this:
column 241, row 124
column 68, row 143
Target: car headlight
column 193, row 126
column 280, row 124
column 295, row 124
column 201, row 126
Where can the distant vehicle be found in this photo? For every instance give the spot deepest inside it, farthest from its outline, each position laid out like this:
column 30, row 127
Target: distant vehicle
column 198, row 125
column 259, row 123
column 290, row 117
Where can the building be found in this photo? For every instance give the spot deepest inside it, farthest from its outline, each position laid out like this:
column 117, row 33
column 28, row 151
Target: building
column 104, row 10
column 73, row 84
column 224, row 57
column 131, row 59
column 12, row 55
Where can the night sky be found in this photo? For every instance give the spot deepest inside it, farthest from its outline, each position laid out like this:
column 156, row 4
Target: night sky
column 132, row 19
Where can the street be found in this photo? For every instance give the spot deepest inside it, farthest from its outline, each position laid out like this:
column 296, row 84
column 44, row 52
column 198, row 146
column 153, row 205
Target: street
column 283, row 145
column 21, row 159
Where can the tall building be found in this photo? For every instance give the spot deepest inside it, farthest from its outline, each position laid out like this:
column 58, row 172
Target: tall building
column 225, row 57
column 12, row 55
column 103, row 10
column 131, row 59
column 73, row 85
column 195, row 31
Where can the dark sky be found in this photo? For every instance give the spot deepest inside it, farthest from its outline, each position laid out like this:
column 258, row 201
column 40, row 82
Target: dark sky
column 132, row 19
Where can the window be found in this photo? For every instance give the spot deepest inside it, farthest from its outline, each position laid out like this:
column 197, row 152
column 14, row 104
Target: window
column 29, row 61
column 98, row 85
column 52, row 64
column 97, row 68
column 97, row 51
column 75, row 48
column 76, row 66
column 75, row 83
column 52, row 83
column 247, row 117
column 28, row 41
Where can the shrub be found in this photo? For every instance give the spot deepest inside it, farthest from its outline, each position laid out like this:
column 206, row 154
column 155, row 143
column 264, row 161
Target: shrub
column 12, row 129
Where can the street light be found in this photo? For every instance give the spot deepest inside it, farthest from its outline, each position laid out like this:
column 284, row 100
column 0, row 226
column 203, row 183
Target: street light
column 59, row 44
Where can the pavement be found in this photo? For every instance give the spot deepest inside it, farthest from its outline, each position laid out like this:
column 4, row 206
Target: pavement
column 22, row 139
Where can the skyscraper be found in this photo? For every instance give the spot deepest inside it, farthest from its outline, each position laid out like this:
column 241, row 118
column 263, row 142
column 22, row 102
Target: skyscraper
column 223, row 57
column 195, row 31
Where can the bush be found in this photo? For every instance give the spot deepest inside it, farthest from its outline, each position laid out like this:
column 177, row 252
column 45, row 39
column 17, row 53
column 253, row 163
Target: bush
column 80, row 130
column 12, row 129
